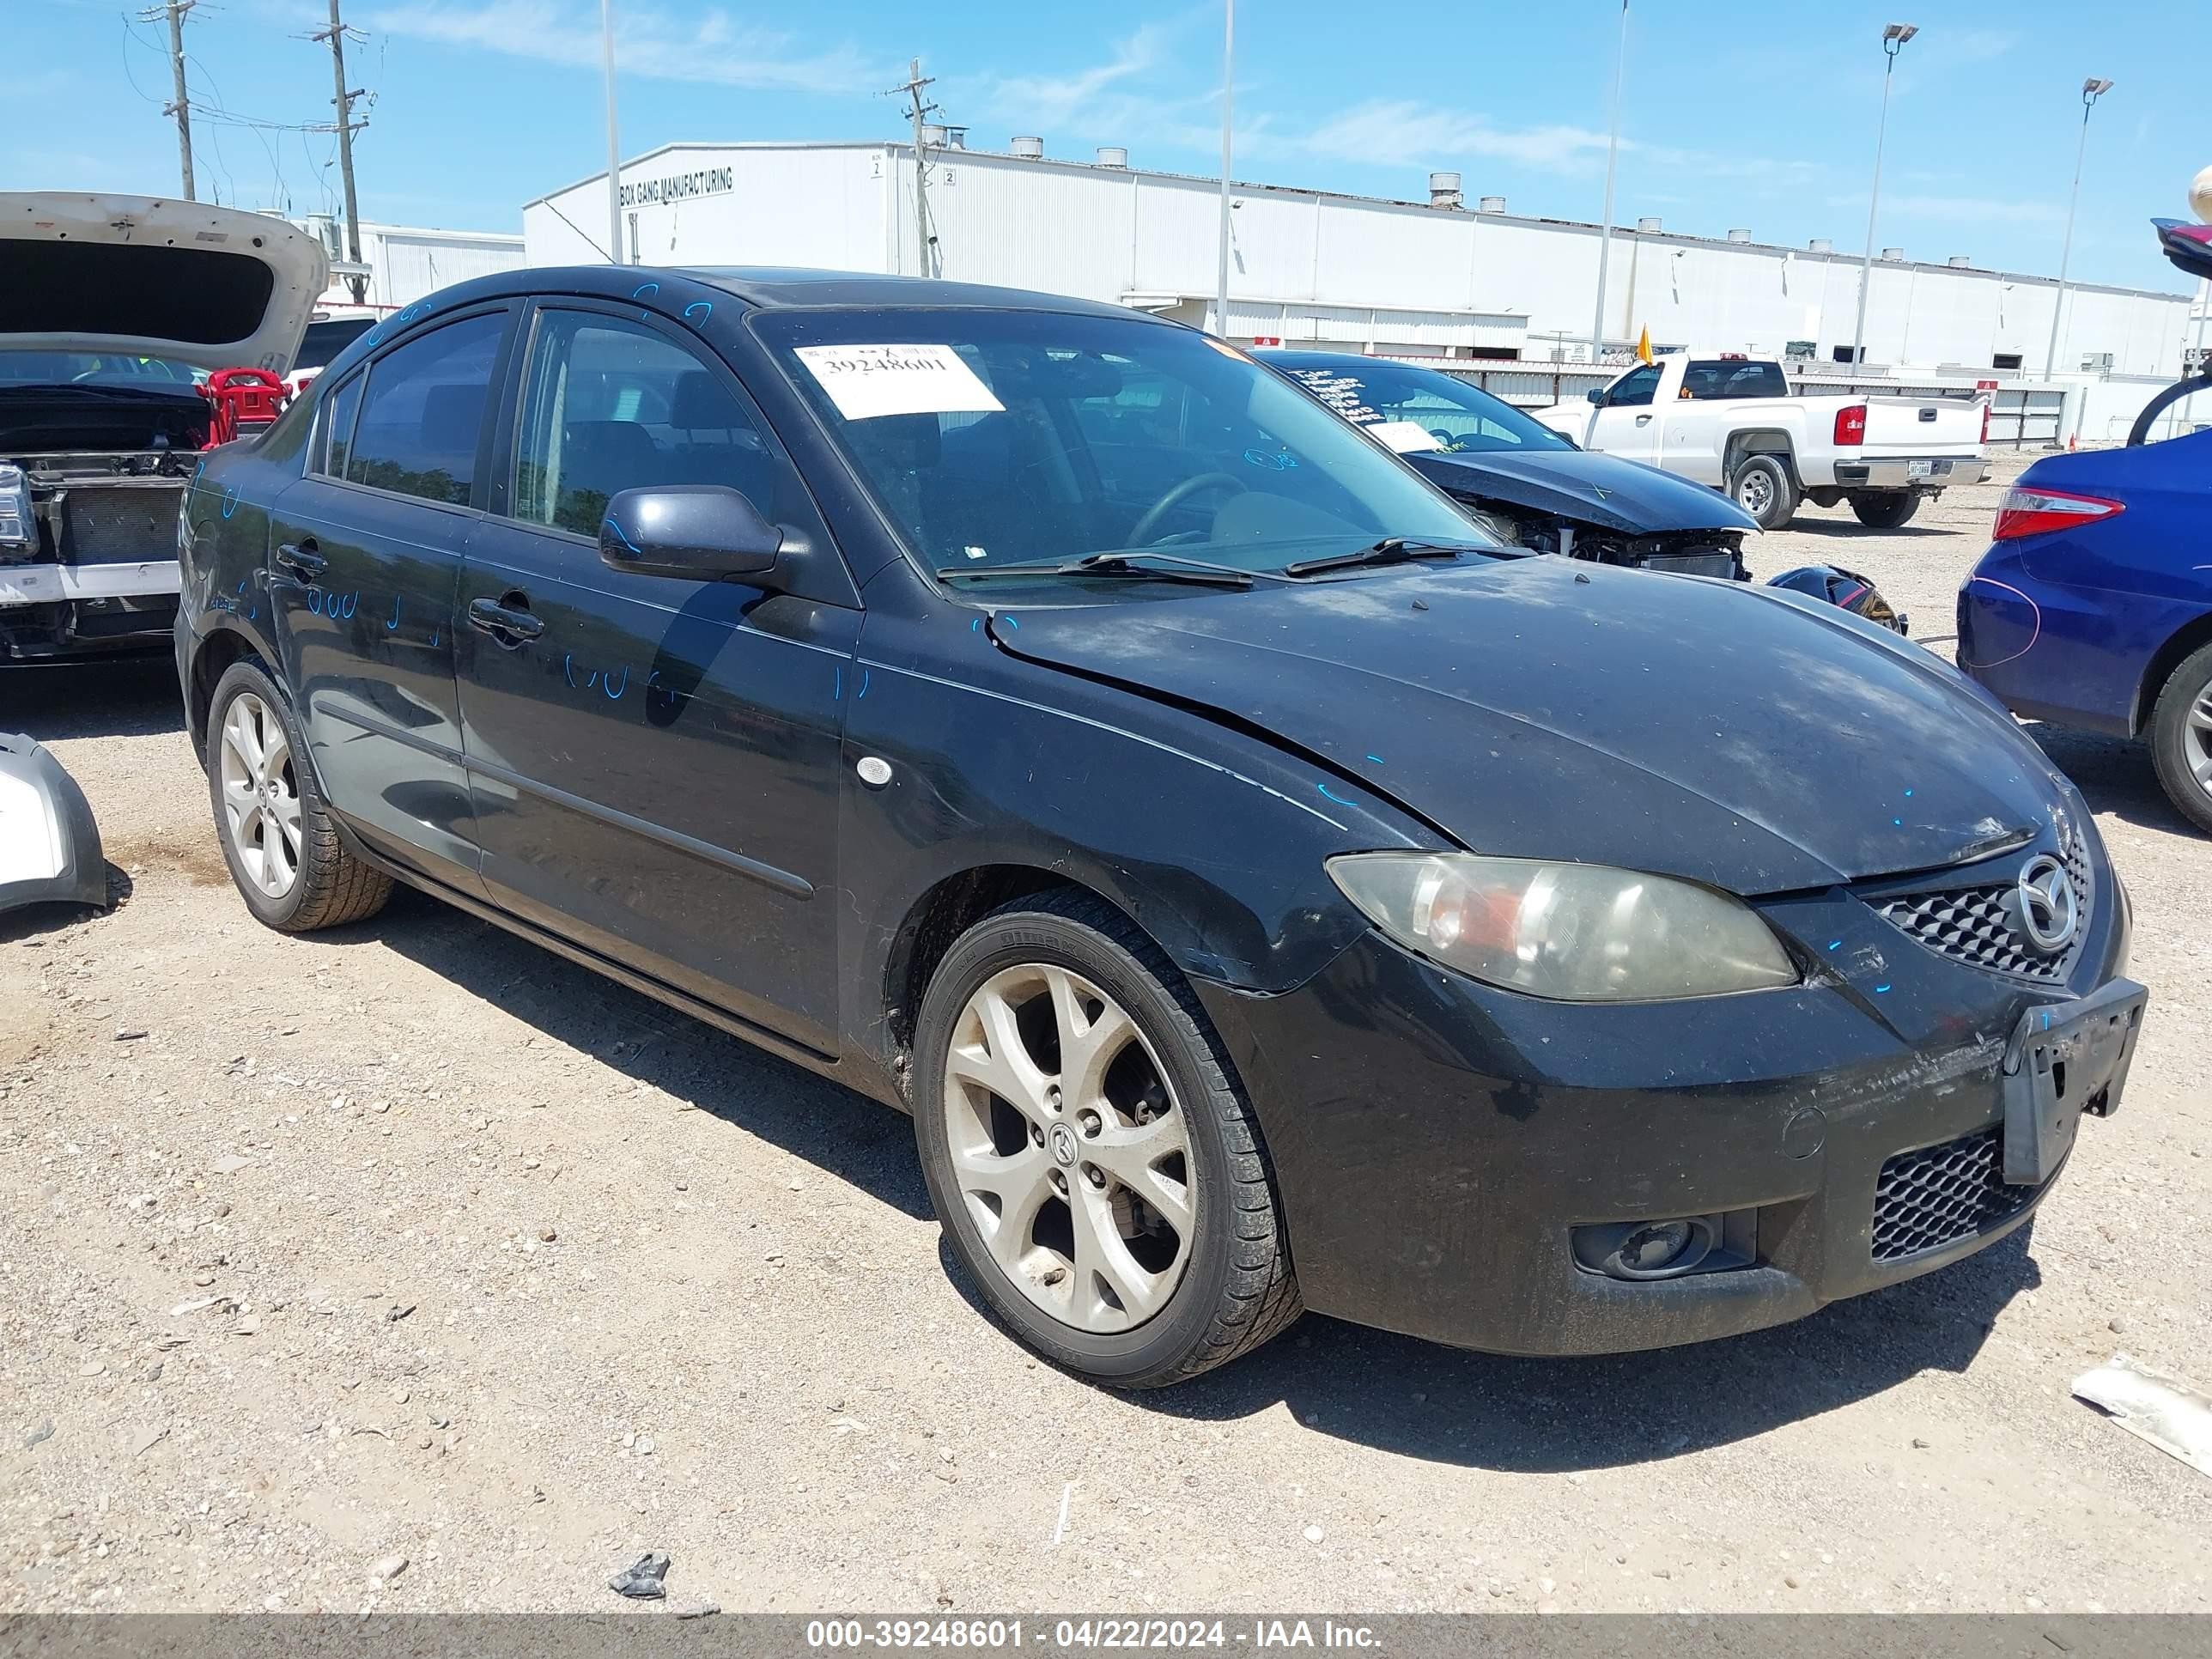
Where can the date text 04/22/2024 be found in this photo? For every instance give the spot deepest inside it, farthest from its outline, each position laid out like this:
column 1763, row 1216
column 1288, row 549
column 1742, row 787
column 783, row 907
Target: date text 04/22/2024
column 1150, row 1634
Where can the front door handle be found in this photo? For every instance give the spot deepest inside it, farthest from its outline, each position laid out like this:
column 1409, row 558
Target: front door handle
column 507, row 619
column 302, row 558
column 1644, row 419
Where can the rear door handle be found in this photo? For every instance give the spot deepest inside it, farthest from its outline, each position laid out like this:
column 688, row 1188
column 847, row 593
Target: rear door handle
column 507, row 619
column 303, row 559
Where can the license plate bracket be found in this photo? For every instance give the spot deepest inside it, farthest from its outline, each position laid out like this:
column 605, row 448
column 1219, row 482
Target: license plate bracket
column 2065, row 1059
column 1924, row 469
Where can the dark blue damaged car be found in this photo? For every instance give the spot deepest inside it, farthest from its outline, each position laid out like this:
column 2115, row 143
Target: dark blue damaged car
column 1262, row 894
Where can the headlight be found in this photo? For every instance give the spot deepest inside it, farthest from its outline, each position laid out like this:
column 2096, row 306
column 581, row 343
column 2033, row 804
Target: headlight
column 18, row 529
column 1578, row 932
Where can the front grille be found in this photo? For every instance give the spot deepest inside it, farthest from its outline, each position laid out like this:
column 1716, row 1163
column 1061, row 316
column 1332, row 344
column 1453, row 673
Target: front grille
column 1971, row 925
column 1938, row 1194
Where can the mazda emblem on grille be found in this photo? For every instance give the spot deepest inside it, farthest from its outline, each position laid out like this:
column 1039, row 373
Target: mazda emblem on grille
column 2047, row 912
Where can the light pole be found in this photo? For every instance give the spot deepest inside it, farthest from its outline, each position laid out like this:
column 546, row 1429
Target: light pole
column 1892, row 42
column 2092, row 90
column 1228, row 80
column 614, row 151
column 1612, row 156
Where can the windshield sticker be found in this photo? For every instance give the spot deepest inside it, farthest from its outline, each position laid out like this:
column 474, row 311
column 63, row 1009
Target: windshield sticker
column 1404, row 436
column 866, row 381
column 1345, row 393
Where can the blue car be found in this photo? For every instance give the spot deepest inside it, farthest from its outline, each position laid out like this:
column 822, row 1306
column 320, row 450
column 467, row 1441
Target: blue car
column 2094, row 605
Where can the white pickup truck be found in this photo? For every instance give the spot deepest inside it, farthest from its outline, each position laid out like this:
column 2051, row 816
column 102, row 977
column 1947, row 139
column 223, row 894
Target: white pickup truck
column 1730, row 421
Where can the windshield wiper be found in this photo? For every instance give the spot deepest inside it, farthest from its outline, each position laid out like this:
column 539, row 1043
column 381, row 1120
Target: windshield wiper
column 1391, row 549
column 1152, row 567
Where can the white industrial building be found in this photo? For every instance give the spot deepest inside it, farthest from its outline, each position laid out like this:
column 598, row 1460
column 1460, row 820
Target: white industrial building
column 400, row 264
column 1433, row 278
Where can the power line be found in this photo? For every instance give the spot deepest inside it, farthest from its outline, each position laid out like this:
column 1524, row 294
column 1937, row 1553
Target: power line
column 346, row 127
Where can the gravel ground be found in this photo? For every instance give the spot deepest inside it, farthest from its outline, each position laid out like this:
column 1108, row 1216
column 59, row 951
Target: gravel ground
column 410, row 1243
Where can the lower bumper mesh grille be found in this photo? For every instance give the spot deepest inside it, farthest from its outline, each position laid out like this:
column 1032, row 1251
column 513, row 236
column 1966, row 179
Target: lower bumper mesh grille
column 1935, row 1195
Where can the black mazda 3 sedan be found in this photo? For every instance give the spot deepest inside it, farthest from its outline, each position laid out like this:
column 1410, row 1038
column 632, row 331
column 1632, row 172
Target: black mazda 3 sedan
column 1262, row 894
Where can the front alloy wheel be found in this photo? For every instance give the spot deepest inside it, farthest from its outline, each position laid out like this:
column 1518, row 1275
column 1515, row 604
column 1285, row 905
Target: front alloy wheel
column 260, row 796
column 1089, row 1149
column 1069, row 1148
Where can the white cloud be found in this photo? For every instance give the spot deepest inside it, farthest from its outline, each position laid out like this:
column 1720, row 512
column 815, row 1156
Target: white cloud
column 713, row 51
column 1400, row 133
column 1053, row 100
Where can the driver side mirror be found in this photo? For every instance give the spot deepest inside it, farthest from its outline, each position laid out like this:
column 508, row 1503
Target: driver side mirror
column 1597, row 395
column 701, row 532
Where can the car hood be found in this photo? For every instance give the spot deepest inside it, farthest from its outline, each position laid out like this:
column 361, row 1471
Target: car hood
column 1597, row 489
column 151, row 277
column 1554, row 708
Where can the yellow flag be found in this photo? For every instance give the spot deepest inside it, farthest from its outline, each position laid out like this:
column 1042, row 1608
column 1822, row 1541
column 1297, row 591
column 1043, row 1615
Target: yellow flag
column 1643, row 347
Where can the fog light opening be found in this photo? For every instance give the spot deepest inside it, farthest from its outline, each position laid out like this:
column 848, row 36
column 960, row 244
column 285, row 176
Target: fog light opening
column 1663, row 1248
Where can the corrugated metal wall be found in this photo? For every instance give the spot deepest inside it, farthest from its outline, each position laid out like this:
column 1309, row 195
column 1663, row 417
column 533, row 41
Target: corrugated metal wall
column 1446, row 278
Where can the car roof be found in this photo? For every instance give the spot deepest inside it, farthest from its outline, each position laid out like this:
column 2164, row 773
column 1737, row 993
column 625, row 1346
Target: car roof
column 774, row 287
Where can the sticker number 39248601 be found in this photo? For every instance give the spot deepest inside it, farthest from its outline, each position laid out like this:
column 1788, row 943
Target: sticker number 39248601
column 867, row 381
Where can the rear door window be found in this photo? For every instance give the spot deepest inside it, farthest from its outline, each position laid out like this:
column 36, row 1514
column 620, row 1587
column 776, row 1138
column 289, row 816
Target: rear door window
column 422, row 418
column 1733, row 378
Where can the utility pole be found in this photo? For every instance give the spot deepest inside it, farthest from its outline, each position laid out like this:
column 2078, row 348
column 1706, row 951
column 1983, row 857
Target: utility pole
column 181, row 107
column 614, row 148
column 911, row 87
column 1892, row 42
column 1228, row 129
column 1612, row 158
column 2092, row 90
column 336, row 35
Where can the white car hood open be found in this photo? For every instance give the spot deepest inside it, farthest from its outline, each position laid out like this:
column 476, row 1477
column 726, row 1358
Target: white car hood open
column 208, row 286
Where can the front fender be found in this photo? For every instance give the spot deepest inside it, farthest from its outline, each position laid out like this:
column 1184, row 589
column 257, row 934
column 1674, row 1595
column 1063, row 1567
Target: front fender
column 1210, row 840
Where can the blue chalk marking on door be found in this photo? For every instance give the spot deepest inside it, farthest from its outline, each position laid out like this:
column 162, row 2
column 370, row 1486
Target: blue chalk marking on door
column 615, row 696
column 1377, row 759
column 230, row 499
column 1333, row 796
column 352, row 604
column 394, row 623
column 1879, row 989
column 567, row 657
column 644, row 288
column 1835, row 945
column 976, row 625
column 837, row 684
column 863, row 691
column 1013, row 621
column 435, row 632
column 704, row 307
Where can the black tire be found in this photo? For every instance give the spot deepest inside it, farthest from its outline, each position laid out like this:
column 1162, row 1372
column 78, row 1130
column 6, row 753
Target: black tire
column 2178, row 751
column 1237, row 1290
column 331, row 886
column 1884, row 509
column 1761, row 486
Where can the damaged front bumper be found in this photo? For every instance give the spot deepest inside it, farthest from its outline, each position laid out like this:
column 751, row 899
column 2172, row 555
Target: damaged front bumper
column 1475, row 1167
column 50, row 850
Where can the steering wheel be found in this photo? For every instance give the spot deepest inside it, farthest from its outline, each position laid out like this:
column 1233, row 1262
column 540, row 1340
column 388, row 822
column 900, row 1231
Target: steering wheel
column 1141, row 534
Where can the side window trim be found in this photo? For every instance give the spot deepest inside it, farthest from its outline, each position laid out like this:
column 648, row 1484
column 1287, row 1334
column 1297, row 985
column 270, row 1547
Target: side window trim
column 326, row 432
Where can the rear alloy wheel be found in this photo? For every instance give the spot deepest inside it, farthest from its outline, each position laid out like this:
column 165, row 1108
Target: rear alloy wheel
column 278, row 838
column 2181, row 737
column 1884, row 509
column 1096, row 1168
column 1761, row 487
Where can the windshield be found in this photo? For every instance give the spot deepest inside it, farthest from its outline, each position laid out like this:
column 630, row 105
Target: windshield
column 1010, row 437
column 1464, row 420
column 94, row 369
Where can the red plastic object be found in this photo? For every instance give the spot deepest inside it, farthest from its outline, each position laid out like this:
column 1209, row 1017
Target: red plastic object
column 1851, row 425
column 245, row 401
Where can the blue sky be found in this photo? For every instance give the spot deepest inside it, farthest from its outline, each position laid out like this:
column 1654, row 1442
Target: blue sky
column 1736, row 112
